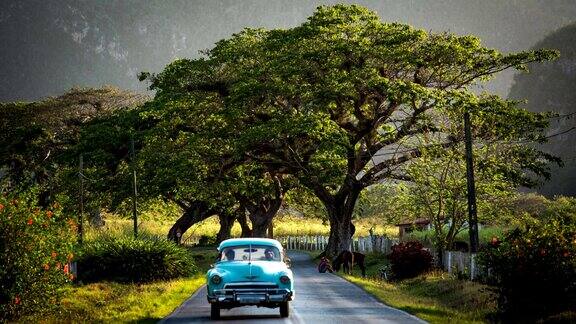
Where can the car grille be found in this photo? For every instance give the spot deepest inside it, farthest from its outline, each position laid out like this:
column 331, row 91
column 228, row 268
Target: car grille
column 251, row 285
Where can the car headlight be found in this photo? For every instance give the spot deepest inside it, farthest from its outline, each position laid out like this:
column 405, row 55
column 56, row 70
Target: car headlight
column 216, row 279
column 284, row 279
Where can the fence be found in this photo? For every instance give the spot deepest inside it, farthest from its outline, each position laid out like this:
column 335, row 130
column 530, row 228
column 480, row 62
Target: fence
column 374, row 243
column 462, row 263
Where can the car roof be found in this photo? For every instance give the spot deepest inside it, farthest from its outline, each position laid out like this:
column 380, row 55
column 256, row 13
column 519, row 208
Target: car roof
column 246, row 241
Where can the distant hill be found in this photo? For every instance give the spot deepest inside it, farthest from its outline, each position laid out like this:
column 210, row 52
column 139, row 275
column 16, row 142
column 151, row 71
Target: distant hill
column 552, row 87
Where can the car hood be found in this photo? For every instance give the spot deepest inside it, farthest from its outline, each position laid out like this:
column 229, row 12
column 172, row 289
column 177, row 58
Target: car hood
column 251, row 271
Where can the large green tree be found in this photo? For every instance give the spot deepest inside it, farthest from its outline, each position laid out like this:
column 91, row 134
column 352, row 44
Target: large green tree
column 344, row 100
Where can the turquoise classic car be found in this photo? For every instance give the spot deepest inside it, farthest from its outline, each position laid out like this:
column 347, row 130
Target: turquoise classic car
column 250, row 271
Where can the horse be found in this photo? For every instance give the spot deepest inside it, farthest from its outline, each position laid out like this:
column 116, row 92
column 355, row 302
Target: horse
column 347, row 259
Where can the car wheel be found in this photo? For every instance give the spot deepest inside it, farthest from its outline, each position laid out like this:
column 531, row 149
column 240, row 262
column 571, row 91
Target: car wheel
column 214, row 311
column 284, row 309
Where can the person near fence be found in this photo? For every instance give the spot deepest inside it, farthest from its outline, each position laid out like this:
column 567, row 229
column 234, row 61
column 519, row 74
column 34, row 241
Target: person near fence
column 324, row 266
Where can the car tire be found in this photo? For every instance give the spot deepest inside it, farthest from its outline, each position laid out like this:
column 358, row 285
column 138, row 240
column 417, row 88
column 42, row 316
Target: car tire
column 284, row 309
column 214, row 311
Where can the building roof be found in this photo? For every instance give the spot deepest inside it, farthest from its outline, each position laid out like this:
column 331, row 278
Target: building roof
column 418, row 221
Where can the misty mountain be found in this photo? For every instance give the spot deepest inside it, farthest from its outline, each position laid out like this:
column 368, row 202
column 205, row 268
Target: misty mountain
column 49, row 46
column 552, row 87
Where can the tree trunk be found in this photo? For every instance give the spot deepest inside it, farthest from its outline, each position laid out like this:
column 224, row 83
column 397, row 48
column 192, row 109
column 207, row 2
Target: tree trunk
column 259, row 229
column 271, row 230
column 194, row 213
column 262, row 216
column 262, row 212
column 243, row 221
column 340, row 211
column 226, row 223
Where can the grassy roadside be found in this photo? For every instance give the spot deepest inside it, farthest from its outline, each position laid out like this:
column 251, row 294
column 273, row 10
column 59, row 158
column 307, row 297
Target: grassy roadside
column 117, row 302
column 436, row 297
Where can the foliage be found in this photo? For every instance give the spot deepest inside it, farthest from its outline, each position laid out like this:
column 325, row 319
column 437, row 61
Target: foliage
column 36, row 246
column 485, row 235
column 206, row 240
column 344, row 101
column 35, row 136
column 409, row 259
column 128, row 259
column 439, row 188
column 534, row 267
column 302, row 201
column 383, row 201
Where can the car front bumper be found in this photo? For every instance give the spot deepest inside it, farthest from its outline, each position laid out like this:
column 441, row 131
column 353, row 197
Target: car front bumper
column 240, row 297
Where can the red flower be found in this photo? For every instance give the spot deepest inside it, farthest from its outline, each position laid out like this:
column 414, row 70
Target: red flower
column 66, row 270
column 1, row 207
column 16, row 300
column 49, row 213
column 46, row 267
column 58, row 265
column 30, row 221
column 54, row 254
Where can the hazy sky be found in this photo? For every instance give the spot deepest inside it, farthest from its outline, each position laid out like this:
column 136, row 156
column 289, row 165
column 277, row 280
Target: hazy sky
column 49, row 46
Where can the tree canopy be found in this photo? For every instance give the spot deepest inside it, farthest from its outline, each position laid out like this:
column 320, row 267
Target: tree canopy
column 345, row 101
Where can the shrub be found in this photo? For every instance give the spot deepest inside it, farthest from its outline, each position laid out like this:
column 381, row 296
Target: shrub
column 126, row 259
column 409, row 259
column 534, row 268
column 35, row 248
column 206, row 240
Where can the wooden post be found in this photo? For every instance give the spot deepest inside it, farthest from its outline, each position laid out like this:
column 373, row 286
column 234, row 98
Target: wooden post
column 135, row 190
column 81, row 214
column 472, row 216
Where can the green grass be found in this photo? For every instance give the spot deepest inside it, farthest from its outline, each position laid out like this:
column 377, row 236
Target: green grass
column 115, row 302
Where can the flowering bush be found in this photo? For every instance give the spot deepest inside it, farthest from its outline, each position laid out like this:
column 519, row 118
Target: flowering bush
column 534, row 268
column 409, row 259
column 35, row 248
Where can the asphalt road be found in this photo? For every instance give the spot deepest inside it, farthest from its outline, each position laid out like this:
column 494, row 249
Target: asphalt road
column 320, row 298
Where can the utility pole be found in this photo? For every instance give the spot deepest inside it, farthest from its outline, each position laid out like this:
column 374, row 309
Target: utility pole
column 80, row 215
column 135, row 192
column 472, row 213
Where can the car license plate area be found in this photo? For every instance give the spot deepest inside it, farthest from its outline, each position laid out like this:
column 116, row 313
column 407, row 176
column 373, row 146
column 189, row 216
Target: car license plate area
column 250, row 298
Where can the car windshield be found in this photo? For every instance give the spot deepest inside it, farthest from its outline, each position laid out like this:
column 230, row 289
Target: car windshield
column 250, row 253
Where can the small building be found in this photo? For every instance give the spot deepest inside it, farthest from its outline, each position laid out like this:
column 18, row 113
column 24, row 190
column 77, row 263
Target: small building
column 419, row 224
